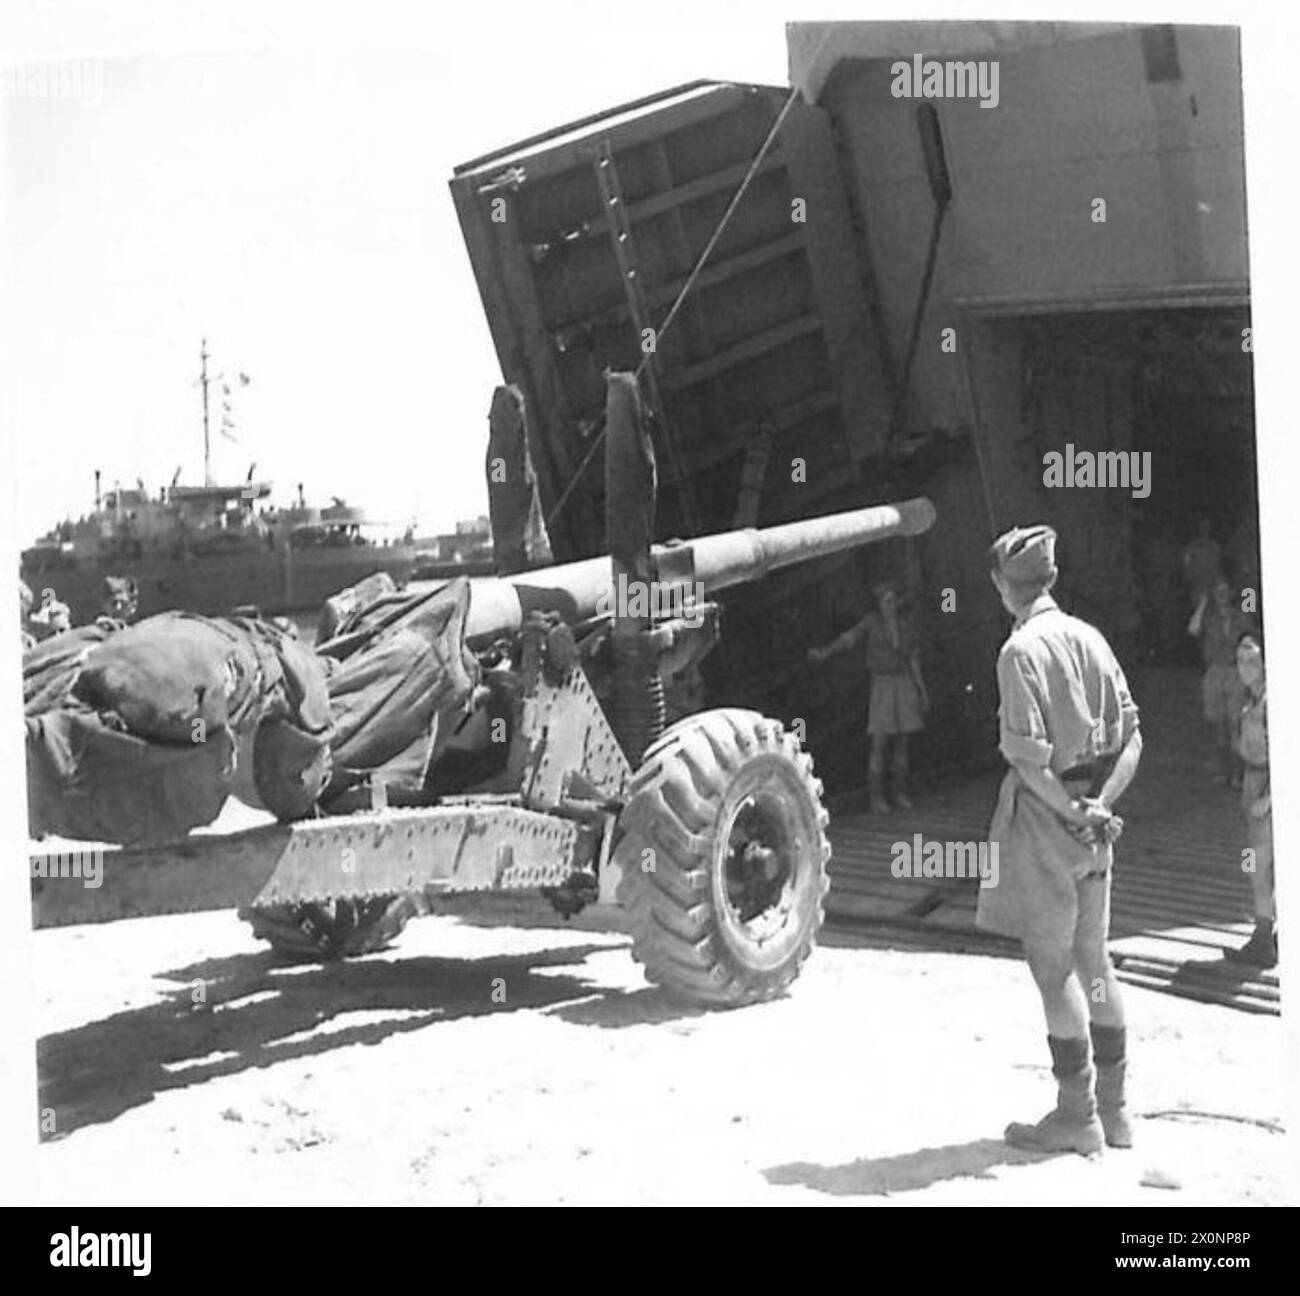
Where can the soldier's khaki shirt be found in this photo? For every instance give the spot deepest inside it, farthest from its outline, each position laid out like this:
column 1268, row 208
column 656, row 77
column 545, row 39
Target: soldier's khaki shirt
column 1064, row 702
column 1063, row 698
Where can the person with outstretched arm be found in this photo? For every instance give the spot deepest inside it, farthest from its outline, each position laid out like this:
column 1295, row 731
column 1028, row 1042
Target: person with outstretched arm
column 898, row 701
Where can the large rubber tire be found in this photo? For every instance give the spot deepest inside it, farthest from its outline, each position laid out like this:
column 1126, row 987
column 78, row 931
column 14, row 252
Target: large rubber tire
column 322, row 933
column 723, row 859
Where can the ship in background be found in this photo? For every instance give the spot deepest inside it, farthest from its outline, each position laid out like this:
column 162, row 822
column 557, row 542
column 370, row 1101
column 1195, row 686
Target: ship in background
column 466, row 551
column 214, row 547
column 210, row 549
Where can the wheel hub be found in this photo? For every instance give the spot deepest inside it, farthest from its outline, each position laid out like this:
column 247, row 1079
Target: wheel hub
column 758, row 868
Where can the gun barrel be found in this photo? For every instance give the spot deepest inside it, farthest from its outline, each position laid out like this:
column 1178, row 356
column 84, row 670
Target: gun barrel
column 737, row 556
column 498, row 605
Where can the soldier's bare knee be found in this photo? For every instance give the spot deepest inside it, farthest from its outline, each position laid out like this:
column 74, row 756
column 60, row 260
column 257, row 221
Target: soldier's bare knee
column 1091, row 956
column 1050, row 965
column 1093, row 965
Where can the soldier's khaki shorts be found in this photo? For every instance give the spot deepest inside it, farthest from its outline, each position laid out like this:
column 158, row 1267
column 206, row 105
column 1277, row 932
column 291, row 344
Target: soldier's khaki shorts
column 1052, row 890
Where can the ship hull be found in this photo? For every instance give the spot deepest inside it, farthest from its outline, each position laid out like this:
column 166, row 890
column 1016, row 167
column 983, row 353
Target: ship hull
column 275, row 581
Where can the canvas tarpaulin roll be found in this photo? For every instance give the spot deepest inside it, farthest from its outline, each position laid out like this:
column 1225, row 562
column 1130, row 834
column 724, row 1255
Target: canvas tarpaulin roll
column 51, row 666
column 135, row 735
column 141, row 735
column 400, row 681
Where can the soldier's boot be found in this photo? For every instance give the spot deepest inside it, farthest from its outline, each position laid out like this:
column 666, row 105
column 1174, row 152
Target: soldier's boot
column 1261, row 949
column 1108, row 1050
column 1072, row 1125
column 901, row 797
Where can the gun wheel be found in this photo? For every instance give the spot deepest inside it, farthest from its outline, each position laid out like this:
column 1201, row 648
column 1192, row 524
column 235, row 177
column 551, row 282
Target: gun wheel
column 723, row 859
column 337, row 929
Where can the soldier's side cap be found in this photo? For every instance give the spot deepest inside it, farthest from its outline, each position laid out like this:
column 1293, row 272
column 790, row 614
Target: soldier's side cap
column 1026, row 553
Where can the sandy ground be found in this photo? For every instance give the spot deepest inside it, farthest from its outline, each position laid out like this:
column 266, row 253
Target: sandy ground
column 480, row 1063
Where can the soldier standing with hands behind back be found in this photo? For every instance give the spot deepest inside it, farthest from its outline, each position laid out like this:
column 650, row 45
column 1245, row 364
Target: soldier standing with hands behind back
column 1069, row 732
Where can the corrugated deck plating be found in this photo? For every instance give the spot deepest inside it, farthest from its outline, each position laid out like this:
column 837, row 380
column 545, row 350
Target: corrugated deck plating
column 1180, row 898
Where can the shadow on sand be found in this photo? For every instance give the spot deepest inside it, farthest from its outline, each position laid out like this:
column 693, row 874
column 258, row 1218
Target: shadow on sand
column 880, row 1176
column 258, row 1011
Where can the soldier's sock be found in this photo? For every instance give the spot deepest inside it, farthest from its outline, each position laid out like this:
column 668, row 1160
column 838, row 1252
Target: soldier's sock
column 1069, row 1056
column 1109, row 1047
column 1109, row 1043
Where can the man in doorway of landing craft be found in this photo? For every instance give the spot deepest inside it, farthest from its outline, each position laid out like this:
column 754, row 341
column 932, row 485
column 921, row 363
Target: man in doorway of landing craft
column 898, row 699
column 1069, row 732
column 1202, row 561
column 1219, row 622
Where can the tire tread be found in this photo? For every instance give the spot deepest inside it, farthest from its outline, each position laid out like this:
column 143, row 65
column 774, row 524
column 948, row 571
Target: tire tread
column 672, row 799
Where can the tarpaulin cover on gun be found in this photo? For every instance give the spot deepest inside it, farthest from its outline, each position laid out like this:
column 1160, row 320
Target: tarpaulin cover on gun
column 140, row 734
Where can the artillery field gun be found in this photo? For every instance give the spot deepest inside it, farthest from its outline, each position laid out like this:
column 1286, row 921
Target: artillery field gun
column 564, row 775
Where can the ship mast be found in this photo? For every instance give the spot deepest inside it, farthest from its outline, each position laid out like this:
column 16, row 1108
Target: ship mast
column 203, row 379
